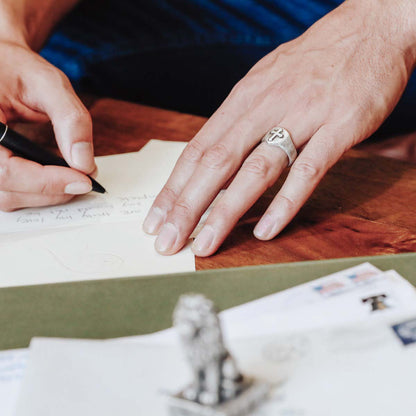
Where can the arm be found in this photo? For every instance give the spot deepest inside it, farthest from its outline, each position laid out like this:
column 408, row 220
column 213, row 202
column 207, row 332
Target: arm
column 31, row 21
column 32, row 89
column 331, row 88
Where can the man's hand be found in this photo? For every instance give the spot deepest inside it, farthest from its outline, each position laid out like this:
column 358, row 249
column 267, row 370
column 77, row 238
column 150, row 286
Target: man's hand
column 330, row 88
column 32, row 89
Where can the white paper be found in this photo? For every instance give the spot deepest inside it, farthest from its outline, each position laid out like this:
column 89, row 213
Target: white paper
column 361, row 369
column 129, row 374
column 132, row 181
column 12, row 366
column 127, row 378
column 233, row 320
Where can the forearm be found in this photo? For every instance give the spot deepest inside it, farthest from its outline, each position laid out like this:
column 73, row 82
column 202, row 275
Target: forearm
column 30, row 21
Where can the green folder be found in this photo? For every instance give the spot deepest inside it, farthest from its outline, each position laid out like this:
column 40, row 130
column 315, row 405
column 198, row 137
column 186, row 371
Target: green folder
column 138, row 305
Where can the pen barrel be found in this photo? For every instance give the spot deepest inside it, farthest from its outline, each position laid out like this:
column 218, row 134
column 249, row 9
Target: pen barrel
column 21, row 146
column 27, row 149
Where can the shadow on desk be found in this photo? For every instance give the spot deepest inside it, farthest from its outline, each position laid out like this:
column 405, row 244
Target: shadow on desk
column 361, row 206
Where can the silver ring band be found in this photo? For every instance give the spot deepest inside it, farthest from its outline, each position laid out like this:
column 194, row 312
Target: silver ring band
column 280, row 137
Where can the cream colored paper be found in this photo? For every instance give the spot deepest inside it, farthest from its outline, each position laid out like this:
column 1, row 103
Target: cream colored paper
column 97, row 251
column 97, row 236
column 132, row 181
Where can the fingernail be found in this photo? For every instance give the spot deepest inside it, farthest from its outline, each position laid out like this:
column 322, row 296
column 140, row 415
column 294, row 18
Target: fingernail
column 264, row 227
column 82, row 155
column 154, row 220
column 203, row 240
column 78, row 188
column 166, row 238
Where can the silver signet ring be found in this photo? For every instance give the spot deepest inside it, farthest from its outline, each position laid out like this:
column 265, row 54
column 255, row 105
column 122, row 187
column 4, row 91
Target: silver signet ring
column 280, row 137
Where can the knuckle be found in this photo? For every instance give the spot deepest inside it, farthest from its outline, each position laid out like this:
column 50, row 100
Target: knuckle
column 307, row 170
column 287, row 203
column 226, row 214
column 311, row 96
column 167, row 197
column 183, row 209
column 6, row 202
column 257, row 165
column 193, row 151
column 60, row 78
column 47, row 72
column 52, row 75
column 217, row 157
column 314, row 91
column 78, row 115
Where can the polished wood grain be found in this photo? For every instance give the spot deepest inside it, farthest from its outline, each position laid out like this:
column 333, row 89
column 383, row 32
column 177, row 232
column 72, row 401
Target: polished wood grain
column 364, row 206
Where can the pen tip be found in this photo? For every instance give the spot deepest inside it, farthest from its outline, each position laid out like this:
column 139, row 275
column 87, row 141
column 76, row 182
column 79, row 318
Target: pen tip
column 96, row 187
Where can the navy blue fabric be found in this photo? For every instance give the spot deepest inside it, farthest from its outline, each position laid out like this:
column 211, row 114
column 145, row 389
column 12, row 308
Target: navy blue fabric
column 178, row 54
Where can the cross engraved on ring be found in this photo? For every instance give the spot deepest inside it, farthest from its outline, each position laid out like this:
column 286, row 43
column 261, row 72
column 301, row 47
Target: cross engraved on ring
column 280, row 137
column 276, row 133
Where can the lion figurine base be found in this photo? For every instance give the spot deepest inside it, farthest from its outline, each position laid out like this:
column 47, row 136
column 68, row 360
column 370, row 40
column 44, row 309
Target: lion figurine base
column 217, row 387
column 253, row 393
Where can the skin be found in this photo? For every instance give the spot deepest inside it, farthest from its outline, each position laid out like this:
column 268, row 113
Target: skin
column 330, row 88
column 31, row 89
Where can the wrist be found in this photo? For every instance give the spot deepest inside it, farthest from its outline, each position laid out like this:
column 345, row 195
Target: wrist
column 12, row 24
column 392, row 20
column 29, row 22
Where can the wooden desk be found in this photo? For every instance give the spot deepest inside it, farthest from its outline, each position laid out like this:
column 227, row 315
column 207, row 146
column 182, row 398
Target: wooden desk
column 366, row 204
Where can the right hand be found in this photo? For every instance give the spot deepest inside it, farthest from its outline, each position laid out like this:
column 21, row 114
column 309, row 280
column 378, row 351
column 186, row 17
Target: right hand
column 31, row 89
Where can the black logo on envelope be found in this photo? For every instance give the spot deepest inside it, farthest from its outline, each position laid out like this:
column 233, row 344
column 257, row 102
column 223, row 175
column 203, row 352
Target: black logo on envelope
column 377, row 302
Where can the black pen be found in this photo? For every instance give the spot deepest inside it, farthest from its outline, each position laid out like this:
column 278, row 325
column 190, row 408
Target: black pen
column 21, row 146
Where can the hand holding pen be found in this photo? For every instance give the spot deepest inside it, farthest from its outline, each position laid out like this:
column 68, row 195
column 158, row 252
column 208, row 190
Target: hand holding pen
column 21, row 146
column 33, row 90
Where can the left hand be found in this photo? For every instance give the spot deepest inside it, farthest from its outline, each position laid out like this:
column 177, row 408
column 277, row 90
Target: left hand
column 330, row 88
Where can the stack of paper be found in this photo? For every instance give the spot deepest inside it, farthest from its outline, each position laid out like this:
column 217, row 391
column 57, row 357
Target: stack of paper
column 325, row 348
column 94, row 236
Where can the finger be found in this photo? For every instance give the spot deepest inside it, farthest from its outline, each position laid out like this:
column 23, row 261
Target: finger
column 233, row 108
column 216, row 166
column 52, row 93
column 11, row 201
column 259, row 171
column 320, row 153
column 220, row 162
column 21, row 175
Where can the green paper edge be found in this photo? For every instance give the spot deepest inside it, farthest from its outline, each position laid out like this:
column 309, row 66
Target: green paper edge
column 120, row 307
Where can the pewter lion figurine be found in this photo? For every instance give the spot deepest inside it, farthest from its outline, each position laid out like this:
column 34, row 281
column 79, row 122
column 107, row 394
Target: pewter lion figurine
column 215, row 374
